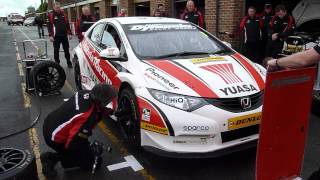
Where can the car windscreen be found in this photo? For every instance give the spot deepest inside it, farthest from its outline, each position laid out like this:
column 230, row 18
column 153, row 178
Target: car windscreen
column 154, row 41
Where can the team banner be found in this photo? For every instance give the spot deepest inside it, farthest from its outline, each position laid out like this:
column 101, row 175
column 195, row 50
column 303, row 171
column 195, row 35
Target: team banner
column 284, row 123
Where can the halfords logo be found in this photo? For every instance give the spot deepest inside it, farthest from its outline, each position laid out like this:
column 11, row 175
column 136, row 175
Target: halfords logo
column 161, row 27
column 196, row 128
column 225, row 71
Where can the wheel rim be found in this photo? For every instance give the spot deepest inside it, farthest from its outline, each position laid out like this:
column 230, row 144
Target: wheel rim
column 49, row 79
column 127, row 121
column 10, row 159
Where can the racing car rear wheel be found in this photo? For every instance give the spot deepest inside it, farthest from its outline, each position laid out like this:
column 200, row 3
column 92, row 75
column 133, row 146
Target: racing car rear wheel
column 130, row 121
column 77, row 74
column 49, row 76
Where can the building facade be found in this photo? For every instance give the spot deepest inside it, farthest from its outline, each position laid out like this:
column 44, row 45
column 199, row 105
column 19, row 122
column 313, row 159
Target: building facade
column 219, row 15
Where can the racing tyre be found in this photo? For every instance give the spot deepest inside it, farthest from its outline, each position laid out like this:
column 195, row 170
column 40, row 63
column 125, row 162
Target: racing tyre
column 316, row 103
column 17, row 164
column 49, row 76
column 77, row 74
column 130, row 119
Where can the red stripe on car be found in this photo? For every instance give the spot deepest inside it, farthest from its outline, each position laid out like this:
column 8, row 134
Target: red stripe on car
column 257, row 77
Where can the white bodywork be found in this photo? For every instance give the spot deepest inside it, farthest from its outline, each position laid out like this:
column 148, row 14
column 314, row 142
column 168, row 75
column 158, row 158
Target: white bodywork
column 198, row 131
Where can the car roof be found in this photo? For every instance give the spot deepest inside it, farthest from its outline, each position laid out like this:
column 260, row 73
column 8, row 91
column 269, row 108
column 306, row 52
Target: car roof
column 142, row 19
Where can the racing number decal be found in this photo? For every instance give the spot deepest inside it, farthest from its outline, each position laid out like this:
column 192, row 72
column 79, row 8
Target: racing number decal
column 152, row 119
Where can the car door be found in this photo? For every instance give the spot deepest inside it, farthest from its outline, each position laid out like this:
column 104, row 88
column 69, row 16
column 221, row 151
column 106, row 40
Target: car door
column 110, row 39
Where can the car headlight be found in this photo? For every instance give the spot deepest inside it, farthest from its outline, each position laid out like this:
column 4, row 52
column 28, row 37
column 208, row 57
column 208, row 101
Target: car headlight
column 261, row 69
column 186, row 103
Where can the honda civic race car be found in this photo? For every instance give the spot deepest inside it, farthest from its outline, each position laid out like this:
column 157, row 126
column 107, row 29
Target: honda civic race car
column 184, row 92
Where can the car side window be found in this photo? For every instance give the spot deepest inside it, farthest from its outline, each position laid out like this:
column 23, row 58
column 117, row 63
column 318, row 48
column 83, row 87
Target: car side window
column 107, row 40
column 96, row 33
column 110, row 38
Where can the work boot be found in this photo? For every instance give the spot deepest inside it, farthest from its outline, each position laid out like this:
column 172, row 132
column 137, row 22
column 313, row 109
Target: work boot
column 315, row 175
column 49, row 160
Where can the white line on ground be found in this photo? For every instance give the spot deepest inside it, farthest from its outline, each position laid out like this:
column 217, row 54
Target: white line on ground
column 131, row 161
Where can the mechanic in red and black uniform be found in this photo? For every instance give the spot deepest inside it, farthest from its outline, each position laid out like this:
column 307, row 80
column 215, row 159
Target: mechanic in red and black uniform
column 281, row 26
column 250, row 28
column 265, row 17
column 192, row 14
column 67, row 129
column 58, row 28
column 84, row 22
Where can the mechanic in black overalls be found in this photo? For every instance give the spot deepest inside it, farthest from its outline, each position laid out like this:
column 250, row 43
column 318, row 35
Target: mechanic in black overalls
column 192, row 14
column 59, row 30
column 265, row 17
column 67, row 129
column 250, row 28
column 40, row 23
column 281, row 26
column 84, row 22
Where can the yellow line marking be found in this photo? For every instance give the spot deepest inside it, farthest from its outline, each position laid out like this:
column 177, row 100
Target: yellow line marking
column 34, row 142
column 33, row 135
column 67, row 84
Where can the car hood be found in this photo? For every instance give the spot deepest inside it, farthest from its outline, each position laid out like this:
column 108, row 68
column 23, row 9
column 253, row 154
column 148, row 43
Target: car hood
column 211, row 77
column 305, row 11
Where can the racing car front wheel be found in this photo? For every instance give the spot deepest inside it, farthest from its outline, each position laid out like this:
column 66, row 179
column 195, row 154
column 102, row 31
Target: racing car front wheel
column 77, row 74
column 49, row 76
column 130, row 121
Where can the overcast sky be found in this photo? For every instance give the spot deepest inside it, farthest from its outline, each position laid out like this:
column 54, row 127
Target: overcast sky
column 16, row 6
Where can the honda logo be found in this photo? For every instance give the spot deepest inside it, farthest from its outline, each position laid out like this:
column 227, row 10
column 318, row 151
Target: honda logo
column 245, row 102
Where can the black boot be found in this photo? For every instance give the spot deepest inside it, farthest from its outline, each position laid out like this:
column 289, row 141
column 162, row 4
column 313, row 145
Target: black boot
column 49, row 160
column 69, row 64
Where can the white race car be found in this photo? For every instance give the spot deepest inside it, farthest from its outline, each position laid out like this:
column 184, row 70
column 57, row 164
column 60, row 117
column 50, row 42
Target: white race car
column 184, row 91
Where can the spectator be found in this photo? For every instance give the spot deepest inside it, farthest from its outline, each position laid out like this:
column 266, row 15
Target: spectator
column 162, row 10
column 40, row 23
column 59, row 30
column 123, row 13
column 192, row 14
column 281, row 26
column 157, row 13
column 265, row 17
column 84, row 22
column 250, row 29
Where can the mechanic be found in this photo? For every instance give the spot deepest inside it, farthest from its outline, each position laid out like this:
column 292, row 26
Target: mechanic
column 250, row 29
column 302, row 59
column 265, row 17
column 59, row 30
column 192, row 14
column 157, row 13
column 67, row 129
column 281, row 26
column 39, row 22
column 84, row 22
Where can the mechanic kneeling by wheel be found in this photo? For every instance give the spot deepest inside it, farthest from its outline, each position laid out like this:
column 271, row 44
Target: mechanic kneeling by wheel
column 67, row 129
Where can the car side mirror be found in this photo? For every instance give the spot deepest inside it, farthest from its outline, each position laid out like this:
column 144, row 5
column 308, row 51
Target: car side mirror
column 111, row 54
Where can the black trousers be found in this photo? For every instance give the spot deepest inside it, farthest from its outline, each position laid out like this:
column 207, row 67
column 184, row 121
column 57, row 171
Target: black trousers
column 274, row 48
column 252, row 51
column 40, row 31
column 65, row 44
column 78, row 154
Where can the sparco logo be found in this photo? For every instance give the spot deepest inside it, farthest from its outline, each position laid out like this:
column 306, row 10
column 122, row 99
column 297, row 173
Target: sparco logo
column 196, row 128
column 238, row 89
column 161, row 78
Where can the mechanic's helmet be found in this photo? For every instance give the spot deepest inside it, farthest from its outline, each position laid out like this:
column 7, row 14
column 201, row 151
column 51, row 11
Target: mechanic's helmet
column 103, row 94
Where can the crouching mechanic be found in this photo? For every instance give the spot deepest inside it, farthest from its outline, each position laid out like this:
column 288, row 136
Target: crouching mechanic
column 67, row 129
